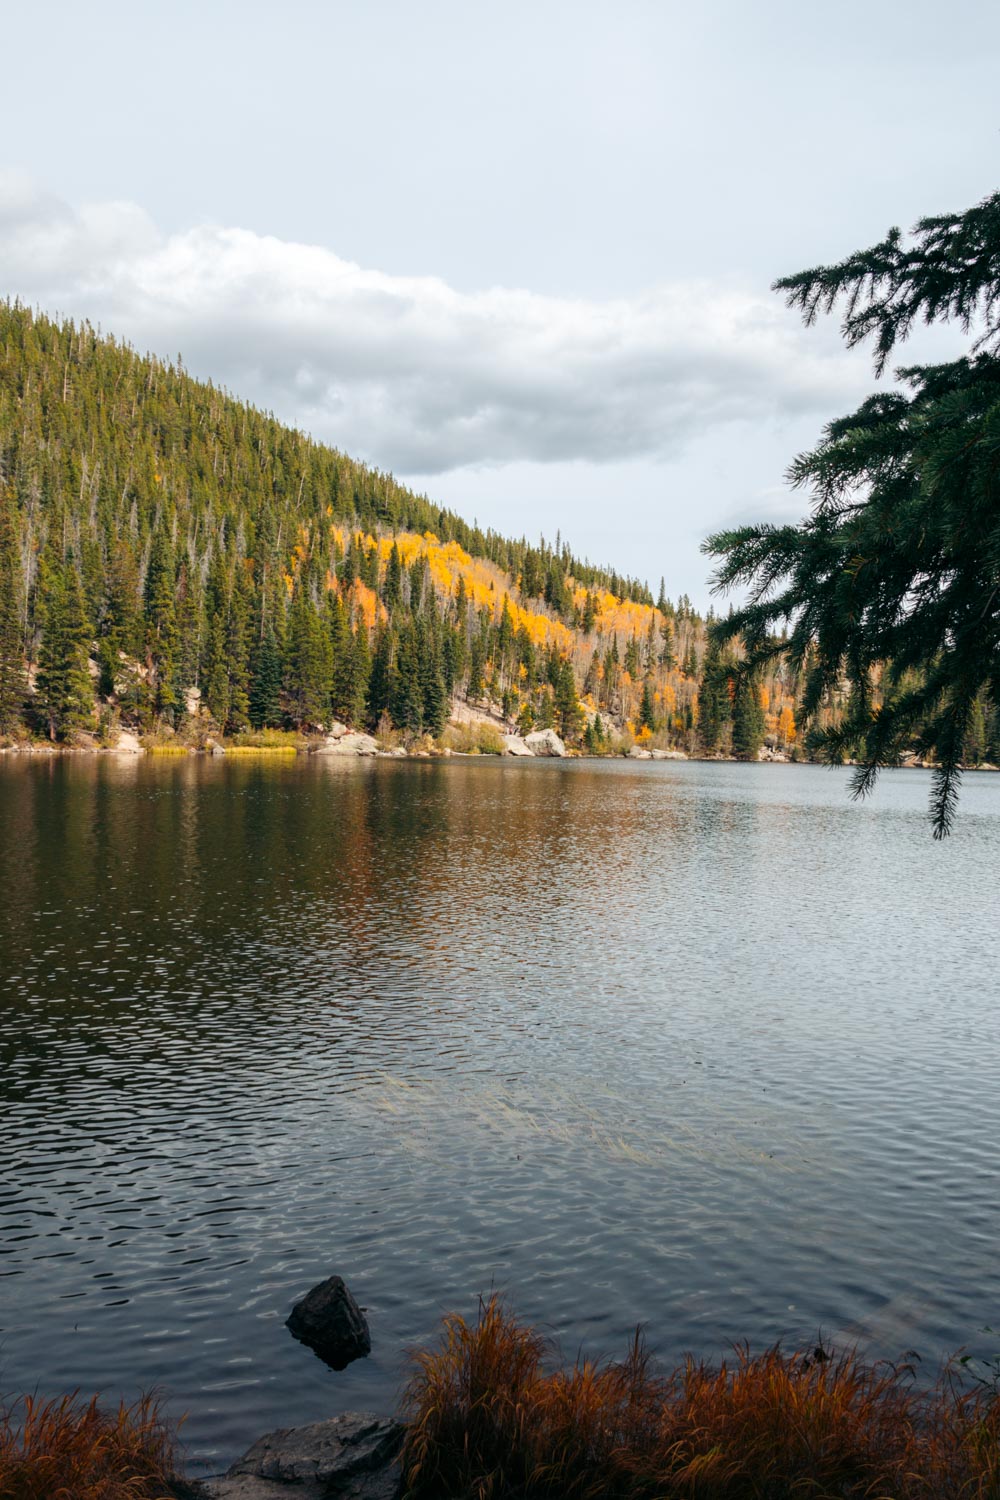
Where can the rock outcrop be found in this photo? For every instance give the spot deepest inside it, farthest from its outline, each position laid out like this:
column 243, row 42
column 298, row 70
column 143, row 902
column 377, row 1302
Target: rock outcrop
column 544, row 742
column 513, row 744
column 332, row 1324
column 350, row 1457
column 351, row 743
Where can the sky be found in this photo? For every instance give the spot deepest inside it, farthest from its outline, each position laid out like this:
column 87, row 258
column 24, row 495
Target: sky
column 520, row 255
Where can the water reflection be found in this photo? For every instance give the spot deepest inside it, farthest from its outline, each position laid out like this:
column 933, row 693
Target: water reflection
column 705, row 1046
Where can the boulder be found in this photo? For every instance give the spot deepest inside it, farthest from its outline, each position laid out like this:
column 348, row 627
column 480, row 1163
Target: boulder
column 544, row 742
column 353, row 1457
column 637, row 753
column 513, row 744
column 127, row 743
column 332, row 1324
column 668, row 754
column 351, row 743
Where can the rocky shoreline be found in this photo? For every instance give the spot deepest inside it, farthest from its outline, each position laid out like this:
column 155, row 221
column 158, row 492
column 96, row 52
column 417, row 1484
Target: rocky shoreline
column 540, row 744
column 354, row 1456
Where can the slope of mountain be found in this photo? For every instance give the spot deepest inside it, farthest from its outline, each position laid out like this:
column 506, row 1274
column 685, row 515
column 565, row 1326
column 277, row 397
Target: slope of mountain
column 175, row 560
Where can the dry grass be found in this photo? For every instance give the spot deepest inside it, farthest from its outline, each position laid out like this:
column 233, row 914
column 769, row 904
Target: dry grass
column 486, row 1422
column 274, row 741
column 476, row 738
column 70, row 1449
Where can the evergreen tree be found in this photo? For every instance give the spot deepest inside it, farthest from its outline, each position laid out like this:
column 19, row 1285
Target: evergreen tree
column 477, row 663
column 647, row 708
column 13, row 683
column 748, row 718
column 713, row 699
column 405, row 697
column 265, row 682
column 567, row 705
column 894, row 577
column 380, row 681
column 64, row 692
column 307, row 664
column 392, row 587
column 433, row 697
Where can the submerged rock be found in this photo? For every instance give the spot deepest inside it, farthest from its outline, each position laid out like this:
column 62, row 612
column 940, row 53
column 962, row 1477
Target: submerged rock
column 332, row 1324
column 353, row 1456
column 544, row 742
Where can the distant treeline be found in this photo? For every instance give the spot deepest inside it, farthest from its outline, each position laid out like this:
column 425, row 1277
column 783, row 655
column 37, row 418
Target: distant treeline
column 174, row 559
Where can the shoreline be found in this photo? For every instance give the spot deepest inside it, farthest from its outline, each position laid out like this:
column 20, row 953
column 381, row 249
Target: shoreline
column 318, row 750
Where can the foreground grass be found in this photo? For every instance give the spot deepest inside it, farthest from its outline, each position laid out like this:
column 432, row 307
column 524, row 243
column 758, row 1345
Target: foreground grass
column 486, row 1423
column 74, row 1450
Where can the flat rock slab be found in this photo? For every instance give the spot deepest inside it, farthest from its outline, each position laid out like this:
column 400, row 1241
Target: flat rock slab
column 350, row 1457
column 332, row 1324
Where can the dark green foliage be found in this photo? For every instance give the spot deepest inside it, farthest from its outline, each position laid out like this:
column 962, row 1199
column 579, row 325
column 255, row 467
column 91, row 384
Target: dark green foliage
column 748, row 719
column 65, row 697
column 894, row 579
column 13, row 683
column 380, row 679
column 392, row 588
column 308, row 668
column 713, row 699
column 567, row 704
column 647, row 708
column 477, row 663
column 264, row 707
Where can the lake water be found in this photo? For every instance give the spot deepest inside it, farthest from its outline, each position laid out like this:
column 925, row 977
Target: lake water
column 703, row 1046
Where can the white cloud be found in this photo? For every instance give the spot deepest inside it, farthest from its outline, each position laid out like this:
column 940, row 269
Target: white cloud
column 408, row 372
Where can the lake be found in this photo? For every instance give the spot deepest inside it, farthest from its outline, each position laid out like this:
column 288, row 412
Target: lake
column 703, row 1046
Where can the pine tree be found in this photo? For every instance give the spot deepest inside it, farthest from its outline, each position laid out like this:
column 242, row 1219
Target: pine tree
column 647, row 708
column 713, row 698
column 748, row 718
column 405, row 698
column 13, row 683
column 477, row 663
column 380, row 679
column 307, row 664
column 894, row 577
column 567, row 704
column 64, row 691
column 161, row 627
column 265, row 682
column 392, row 587
column 432, row 690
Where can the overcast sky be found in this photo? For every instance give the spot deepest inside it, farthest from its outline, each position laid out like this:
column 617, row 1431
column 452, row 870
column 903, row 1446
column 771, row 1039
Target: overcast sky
column 518, row 254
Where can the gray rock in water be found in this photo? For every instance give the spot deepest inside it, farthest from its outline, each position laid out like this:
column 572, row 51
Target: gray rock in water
column 351, row 1457
column 330, row 1321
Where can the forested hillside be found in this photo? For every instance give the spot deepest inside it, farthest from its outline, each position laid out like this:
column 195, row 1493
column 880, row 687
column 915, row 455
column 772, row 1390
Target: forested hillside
column 175, row 560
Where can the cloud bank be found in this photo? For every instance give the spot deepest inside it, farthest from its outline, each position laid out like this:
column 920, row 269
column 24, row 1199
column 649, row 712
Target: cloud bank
column 410, row 373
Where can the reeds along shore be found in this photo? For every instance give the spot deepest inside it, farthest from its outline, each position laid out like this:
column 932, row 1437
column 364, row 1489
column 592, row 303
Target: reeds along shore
column 487, row 1421
column 70, row 1449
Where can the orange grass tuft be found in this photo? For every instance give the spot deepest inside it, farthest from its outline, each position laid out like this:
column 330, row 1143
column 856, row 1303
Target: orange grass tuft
column 70, row 1449
column 487, row 1423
